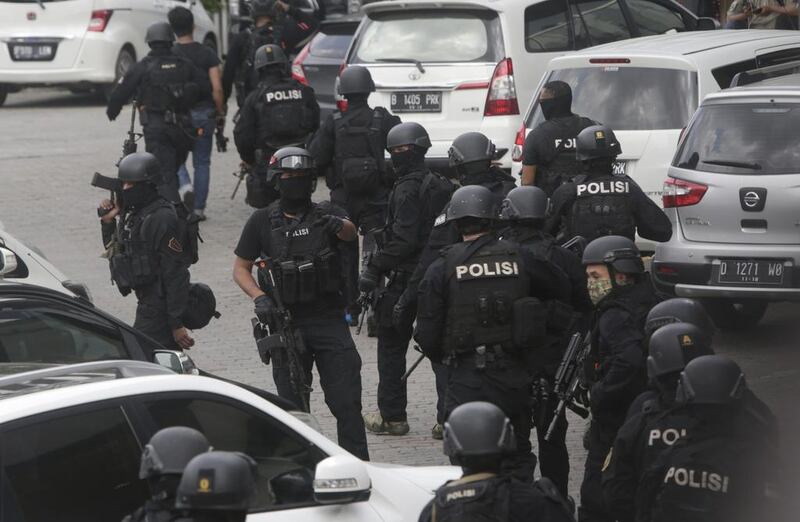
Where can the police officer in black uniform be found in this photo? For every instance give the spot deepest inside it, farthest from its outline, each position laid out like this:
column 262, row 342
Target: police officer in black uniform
column 548, row 156
column 145, row 252
column 349, row 148
column 217, row 486
column 476, row 436
column 480, row 309
column 524, row 211
column 725, row 469
column 417, row 197
column 274, row 22
column 622, row 295
column 280, row 112
column 301, row 238
column 163, row 460
column 598, row 203
column 166, row 87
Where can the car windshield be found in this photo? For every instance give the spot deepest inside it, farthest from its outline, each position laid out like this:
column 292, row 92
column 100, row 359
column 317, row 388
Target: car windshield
column 330, row 45
column 747, row 139
column 628, row 98
column 430, row 36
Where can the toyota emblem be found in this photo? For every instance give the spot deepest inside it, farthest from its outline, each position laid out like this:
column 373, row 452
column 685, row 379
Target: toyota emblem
column 31, row 16
column 751, row 199
column 414, row 75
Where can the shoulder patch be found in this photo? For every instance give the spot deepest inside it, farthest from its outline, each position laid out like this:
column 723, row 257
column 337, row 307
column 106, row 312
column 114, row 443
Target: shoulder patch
column 175, row 245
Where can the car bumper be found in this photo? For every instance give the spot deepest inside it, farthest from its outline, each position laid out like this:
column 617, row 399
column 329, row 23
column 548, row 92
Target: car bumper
column 95, row 63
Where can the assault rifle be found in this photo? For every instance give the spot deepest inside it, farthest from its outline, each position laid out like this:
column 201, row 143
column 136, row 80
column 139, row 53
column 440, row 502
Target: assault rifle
column 365, row 302
column 568, row 386
column 129, row 146
column 243, row 172
column 577, row 245
column 113, row 185
column 280, row 340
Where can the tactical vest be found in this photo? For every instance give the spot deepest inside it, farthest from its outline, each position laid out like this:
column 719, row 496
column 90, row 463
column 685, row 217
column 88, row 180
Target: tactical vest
column 307, row 262
column 476, row 498
column 134, row 263
column 246, row 78
column 284, row 117
column 358, row 151
column 483, row 287
column 168, row 84
column 562, row 166
column 603, row 206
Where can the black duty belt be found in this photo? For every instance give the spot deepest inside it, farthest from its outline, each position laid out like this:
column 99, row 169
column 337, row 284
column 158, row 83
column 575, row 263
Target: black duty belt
column 480, row 358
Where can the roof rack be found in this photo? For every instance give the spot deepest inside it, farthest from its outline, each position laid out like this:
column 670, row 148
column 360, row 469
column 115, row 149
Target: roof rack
column 765, row 73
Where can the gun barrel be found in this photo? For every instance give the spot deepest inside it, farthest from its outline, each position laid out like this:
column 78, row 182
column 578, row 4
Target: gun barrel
column 558, row 413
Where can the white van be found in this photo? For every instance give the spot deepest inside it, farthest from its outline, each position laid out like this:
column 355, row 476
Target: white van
column 81, row 44
column 470, row 65
column 647, row 89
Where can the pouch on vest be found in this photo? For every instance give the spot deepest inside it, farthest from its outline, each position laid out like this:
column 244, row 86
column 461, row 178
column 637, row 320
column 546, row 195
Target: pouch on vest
column 530, row 323
column 384, row 306
column 327, row 272
column 121, row 273
column 258, row 193
column 307, row 282
column 289, row 282
column 360, row 175
column 142, row 270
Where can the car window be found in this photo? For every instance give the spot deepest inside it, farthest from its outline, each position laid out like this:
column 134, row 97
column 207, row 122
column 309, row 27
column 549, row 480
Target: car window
column 431, row 36
column 745, row 139
column 237, row 427
column 546, row 27
column 330, row 45
column 81, row 465
column 31, row 331
column 628, row 98
column 597, row 22
column 651, row 18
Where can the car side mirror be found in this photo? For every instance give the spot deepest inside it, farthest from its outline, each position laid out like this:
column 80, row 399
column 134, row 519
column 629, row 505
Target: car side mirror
column 707, row 24
column 176, row 361
column 341, row 479
column 8, row 262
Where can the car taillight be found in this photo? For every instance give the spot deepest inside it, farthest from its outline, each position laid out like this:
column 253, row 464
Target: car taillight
column 99, row 20
column 519, row 142
column 502, row 97
column 682, row 193
column 341, row 102
column 297, row 65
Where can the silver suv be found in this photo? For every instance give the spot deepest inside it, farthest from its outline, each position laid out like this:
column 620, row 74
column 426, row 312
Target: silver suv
column 733, row 195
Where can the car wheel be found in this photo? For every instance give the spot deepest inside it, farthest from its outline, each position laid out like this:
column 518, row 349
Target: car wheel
column 125, row 60
column 3, row 94
column 735, row 315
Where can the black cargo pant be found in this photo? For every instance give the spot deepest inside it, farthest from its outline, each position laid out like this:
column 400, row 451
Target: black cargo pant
column 507, row 386
column 553, row 454
column 171, row 145
column 600, row 439
column 392, row 350
column 329, row 344
column 151, row 317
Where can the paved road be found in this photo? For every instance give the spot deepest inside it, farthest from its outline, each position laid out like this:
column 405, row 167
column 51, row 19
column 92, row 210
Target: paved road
column 52, row 142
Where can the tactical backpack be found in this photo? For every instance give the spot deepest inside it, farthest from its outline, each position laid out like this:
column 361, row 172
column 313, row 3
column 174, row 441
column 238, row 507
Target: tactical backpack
column 168, row 85
column 359, row 152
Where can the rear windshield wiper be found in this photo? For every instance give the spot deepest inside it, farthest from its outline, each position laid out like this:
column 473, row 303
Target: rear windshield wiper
column 736, row 164
column 41, row 4
column 403, row 60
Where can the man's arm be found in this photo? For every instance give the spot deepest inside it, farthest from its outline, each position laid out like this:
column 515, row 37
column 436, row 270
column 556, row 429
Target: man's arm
column 243, row 275
column 431, row 311
column 562, row 201
column 528, row 176
column 248, row 249
column 620, row 476
column 530, row 158
column 651, row 222
column 125, row 90
column 625, row 366
column 217, row 93
column 244, row 133
column 232, row 63
column 405, row 230
column 313, row 104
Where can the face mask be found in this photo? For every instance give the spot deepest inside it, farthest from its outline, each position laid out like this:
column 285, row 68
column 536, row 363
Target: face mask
column 296, row 192
column 473, row 173
column 139, row 195
column 598, row 289
column 404, row 162
column 556, row 107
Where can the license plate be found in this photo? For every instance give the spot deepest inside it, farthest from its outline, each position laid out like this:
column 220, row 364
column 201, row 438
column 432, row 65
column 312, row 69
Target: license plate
column 620, row 168
column 757, row 272
column 32, row 52
column 417, row 101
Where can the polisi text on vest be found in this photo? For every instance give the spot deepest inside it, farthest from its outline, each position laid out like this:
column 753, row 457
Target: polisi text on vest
column 287, row 95
column 478, row 270
column 604, row 187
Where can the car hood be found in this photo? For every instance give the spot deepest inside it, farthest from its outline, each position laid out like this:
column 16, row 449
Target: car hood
column 15, row 368
column 428, row 478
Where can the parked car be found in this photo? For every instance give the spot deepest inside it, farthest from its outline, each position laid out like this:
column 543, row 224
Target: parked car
column 72, row 439
column 468, row 65
column 320, row 61
column 81, row 44
column 732, row 194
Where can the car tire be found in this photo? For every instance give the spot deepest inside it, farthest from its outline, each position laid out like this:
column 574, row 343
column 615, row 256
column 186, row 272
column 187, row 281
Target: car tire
column 125, row 60
column 3, row 94
column 735, row 315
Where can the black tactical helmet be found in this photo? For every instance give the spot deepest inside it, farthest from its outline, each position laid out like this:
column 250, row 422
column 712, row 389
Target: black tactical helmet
column 356, row 80
column 526, row 202
column 711, row 380
column 474, row 201
column 617, row 252
column 217, row 481
column 673, row 346
column 159, row 32
column 478, row 429
column 408, row 133
column 262, row 8
column 269, row 54
column 597, row 141
column 679, row 310
column 170, row 450
column 200, row 308
column 140, row 166
column 292, row 158
column 470, row 147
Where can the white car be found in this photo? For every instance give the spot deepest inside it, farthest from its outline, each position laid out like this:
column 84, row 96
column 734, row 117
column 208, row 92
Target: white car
column 81, row 44
column 470, row 65
column 72, row 437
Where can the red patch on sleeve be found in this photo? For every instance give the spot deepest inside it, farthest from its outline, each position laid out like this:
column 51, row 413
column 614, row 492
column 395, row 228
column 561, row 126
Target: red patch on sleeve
column 175, row 245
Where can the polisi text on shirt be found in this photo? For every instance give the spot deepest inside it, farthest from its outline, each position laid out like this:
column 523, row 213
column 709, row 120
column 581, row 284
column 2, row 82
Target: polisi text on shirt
column 604, row 187
column 287, row 95
column 458, row 494
column 478, row 270
column 697, row 479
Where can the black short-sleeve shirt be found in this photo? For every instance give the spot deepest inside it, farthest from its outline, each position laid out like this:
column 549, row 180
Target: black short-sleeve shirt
column 204, row 58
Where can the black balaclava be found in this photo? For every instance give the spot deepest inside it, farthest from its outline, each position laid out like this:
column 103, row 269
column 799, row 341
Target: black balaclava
column 272, row 73
column 139, row 195
column 408, row 161
column 474, row 173
column 599, row 166
column 296, row 193
column 560, row 105
column 356, row 99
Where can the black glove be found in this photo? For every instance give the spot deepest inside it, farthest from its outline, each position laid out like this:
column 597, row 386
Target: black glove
column 400, row 312
column 369, row 278
column 264, row 309
column 112, row 115
column 330, row 224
